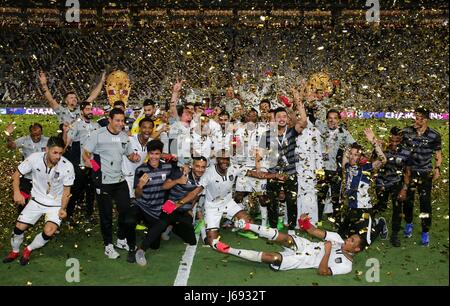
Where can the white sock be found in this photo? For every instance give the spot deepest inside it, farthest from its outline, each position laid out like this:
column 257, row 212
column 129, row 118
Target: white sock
column 246, row 254
column 269, row 233
column 263, row 210
column 168, row 230
column 38, row 242
column 203, row 233
column 285, row 215
column 16, row 241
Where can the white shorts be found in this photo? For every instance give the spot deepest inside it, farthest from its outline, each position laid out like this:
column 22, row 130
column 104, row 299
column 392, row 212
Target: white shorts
column 295, row 258
column 213, row 215
column 250, row 184
column 130, row 182
column 33, row 211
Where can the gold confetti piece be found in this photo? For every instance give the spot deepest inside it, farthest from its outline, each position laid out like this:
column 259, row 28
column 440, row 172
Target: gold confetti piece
column 29, row 283
column 424, row 215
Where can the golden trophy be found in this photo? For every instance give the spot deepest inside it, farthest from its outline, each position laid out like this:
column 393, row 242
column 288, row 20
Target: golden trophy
column 118, row 87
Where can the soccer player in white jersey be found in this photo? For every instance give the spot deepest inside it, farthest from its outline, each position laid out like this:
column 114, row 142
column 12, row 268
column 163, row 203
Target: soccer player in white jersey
column 309, row 152
column 218, row 182
column 249, row 153
column 52, row 176
column 330, row 257
column 138, row 144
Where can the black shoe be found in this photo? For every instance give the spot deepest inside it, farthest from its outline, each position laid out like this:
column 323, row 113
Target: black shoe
column 395, row 241
column 384, row 230
column 131, row 257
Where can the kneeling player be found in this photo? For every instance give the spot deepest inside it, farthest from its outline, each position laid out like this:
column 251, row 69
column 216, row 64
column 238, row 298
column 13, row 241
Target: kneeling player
column 52, row 176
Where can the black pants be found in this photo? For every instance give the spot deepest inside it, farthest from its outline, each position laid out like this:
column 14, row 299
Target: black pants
column 181, row 222
column 25, row 185
column 126, row 222
column 383, row 195
column 352, row 221
column 359, row 225
column 332, row 180
column 422, row 182
column 290, row 187
column 83, row 188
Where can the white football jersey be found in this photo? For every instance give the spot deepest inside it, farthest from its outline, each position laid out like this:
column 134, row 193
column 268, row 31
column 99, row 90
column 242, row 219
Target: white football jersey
column 309, row 255
column 128, row 167
column 201, row 146
column 48, row 183
column 218, row 188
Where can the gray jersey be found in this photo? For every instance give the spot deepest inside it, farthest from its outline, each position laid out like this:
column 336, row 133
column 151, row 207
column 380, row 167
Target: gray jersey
column 80, row 131
column 27, row 147
column 65, row 115
column 109, row 150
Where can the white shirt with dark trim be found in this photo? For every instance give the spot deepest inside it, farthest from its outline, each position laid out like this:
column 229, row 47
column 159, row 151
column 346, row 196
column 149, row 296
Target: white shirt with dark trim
column 248, row 143
column 218, row 188
column 310, row 254
column 129, row 167
column 48, row 183
column 180, row 142
column 338, row 263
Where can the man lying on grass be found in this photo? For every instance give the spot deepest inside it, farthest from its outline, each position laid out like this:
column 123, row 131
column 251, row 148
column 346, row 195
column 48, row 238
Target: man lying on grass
column 332, row 257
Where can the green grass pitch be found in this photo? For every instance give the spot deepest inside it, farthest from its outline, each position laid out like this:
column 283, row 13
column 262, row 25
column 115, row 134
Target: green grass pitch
column 411, row 264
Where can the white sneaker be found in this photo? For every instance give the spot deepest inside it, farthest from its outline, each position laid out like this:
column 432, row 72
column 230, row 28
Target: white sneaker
column 122, row 244
column 165, row 236
column 140, row 257
column 111, row 252
column 291, row 232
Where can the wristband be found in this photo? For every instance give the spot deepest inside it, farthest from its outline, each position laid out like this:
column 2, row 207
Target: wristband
column 304, row 224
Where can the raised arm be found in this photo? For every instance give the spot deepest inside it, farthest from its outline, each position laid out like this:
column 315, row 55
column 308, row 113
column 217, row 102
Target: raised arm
column 376, row 144
column 175, row 96
column 300, row 118
column 10, row 143
column 66, row 137
column 309, row 228
column 43, row 81
column 98, row 89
